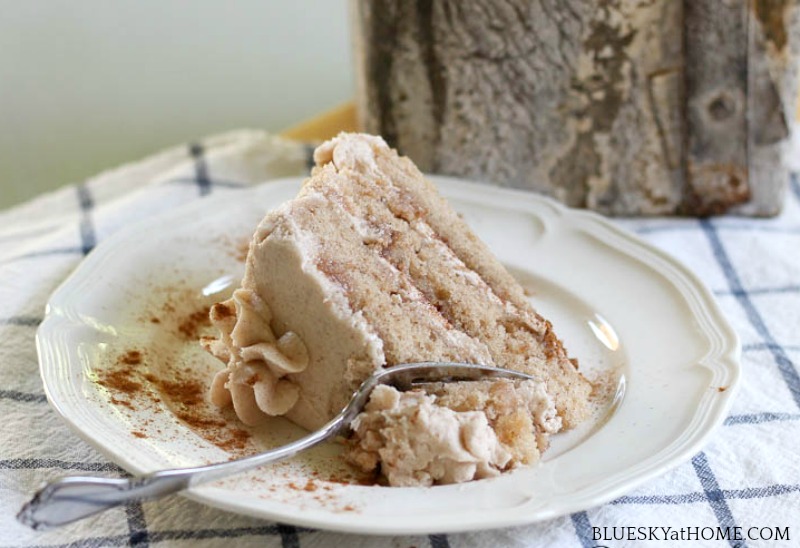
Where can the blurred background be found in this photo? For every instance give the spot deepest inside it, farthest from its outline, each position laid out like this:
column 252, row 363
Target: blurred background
column 85, row 86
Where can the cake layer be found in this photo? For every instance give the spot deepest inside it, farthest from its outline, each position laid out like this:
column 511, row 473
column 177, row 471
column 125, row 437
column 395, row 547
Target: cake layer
column 412, row 228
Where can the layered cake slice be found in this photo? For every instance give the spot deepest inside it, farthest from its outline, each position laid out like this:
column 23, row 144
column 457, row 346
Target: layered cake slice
column 369, row 267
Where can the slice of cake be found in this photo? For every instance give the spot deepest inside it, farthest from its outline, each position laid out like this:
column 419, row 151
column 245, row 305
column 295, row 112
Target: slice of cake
column 367, row 268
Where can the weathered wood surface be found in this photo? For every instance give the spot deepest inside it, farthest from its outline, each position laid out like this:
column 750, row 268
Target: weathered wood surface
column 773, row 62
column 715, row 38
column 628, row 107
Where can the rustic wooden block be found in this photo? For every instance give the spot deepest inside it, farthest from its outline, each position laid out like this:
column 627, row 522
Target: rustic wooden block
column 623, row 106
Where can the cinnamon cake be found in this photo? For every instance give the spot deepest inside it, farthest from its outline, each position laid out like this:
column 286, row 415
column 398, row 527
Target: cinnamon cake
column 369, row 267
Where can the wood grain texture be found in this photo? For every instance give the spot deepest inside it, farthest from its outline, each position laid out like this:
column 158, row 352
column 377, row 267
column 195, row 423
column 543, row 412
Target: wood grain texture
column 773, row 56
column 715, row 34
column 628, row 107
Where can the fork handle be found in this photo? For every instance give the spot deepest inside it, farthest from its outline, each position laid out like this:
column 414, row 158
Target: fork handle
column 73, row 498
column 76, row 497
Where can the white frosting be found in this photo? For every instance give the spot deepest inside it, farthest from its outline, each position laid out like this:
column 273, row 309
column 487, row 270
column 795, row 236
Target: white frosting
column 254, row 380
column 541, row 406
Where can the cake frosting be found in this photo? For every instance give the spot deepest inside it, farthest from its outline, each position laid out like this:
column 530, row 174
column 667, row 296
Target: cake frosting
column 416, row 442
column 256, row 380
column 369, row 267
column 451, row 433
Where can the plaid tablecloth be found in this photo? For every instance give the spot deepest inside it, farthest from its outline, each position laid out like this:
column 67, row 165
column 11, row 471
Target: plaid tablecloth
column 747, row 476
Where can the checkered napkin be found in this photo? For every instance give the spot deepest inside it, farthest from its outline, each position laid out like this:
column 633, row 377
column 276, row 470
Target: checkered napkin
column 747, row 476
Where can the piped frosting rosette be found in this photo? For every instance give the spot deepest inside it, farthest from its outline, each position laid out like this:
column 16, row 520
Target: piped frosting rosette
column 255, row 379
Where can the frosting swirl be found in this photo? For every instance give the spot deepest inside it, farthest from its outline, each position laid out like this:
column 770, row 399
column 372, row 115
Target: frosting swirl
column 255, row 380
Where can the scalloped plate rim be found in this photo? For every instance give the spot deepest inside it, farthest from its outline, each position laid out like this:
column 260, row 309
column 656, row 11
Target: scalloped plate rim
column 724, row 362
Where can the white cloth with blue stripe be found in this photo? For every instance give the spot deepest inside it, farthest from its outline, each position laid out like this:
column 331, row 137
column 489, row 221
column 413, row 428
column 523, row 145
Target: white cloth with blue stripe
column 747, row 476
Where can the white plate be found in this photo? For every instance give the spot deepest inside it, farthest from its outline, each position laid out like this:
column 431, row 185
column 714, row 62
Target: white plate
column 620, row 306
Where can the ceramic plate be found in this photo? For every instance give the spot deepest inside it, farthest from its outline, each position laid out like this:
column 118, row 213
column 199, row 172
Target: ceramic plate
column 633, row 316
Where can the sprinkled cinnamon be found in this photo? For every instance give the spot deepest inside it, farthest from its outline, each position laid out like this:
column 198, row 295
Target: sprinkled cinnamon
column 242, row 247
column 124, row 403
column 198, row 421
column 187, row 392
column 131, row 357
column 121, row 380
column 191, row 325
column 238, row 440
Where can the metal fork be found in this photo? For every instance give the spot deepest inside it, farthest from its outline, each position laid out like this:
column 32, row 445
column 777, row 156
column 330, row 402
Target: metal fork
column 73, row 498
